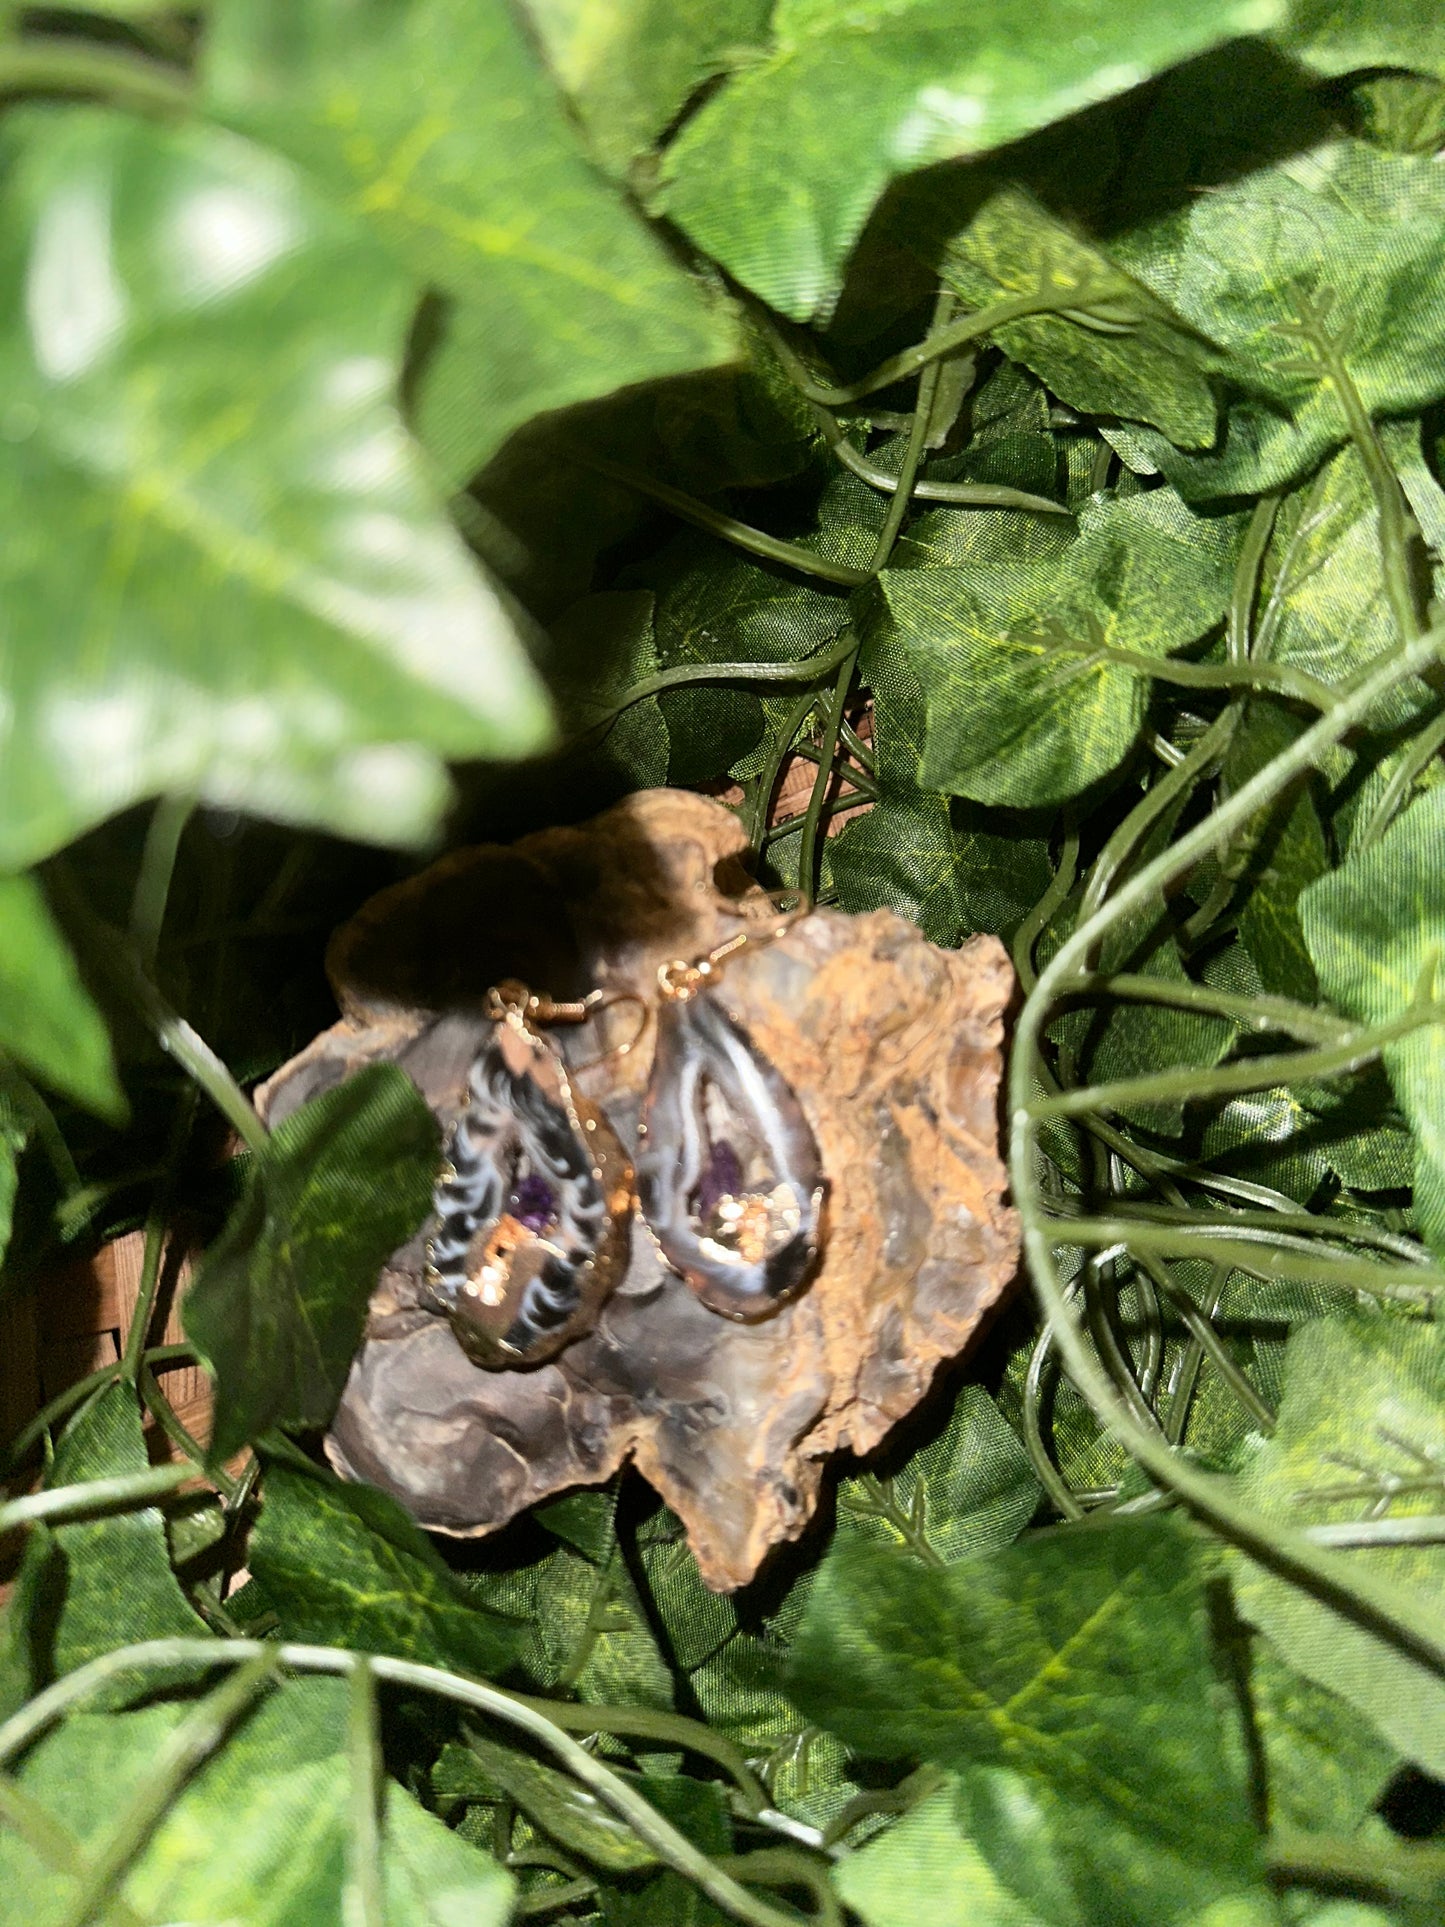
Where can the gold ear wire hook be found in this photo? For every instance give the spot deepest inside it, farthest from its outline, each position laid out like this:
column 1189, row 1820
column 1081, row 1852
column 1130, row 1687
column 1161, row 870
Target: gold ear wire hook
column 513, row 1002
column 678, row 980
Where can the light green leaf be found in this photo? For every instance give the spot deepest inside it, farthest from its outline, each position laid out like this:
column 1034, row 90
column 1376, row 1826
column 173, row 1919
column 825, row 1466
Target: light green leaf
column 256, row 599
column 969, row 1492
column 435, row 121
column 776, row 175
column 629, row 66
column 260, row 1833
column 1363, row 1409
column 927, row 1872
column 1077, row 1662
column 277, row 1308
column 87, row 1588
column 343, row 1565
column 47, row 1022
column 1345, row 36
column 1237, row 262
column 1002, row 616
column 1376, row 931
column 594, row 1634
column 1325, row 1766
column 1151, row 369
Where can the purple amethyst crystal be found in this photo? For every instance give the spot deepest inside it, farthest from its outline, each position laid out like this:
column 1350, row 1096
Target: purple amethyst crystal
column 533, row 1202
column 721, row 1177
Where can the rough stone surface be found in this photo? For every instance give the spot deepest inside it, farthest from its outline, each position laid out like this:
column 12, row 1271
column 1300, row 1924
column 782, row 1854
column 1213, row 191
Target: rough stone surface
column 892, row 1046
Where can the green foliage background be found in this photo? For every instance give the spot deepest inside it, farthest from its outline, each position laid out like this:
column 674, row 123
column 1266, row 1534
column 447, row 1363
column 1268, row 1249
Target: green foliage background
column 428, row 419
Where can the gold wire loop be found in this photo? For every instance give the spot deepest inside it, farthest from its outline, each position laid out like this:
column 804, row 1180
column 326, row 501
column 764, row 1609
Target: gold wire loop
column 678, row 980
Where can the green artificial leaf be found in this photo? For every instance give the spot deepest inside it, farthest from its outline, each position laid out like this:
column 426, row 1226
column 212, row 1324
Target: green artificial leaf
column 713, row 605
column 1344, row 36
column 1076, row 1662
column 1283, row 854
column 629, row 66
column 947, row 865
column 1376, row 932
column 14, row 1136
column 436, row 122
column 601, row 648
column 85, row 1589
column 1239, row 263
column 1363, row 1411
column 927, row 1872
column 969, row 1492
column 1325, row 1765
column 1004, row 617
column 48, row 1024
column 256, row 600
column 594, row 1633
column 699, row 1809
column 1115, row 1041
column 278, row 1306
column 344, row 1565
column 260, row 1833
column 575, row 1818
column 1147, row 367
column 776, row 174
column 1325, row 607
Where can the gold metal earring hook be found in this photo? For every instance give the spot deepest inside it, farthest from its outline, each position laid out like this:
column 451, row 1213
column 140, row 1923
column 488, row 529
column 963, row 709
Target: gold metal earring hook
column 514, row 1003
column 679, row 979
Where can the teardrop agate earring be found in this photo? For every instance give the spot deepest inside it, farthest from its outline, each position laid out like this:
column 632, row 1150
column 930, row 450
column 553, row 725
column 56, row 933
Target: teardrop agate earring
column 729, row 1178
column 534, row 1201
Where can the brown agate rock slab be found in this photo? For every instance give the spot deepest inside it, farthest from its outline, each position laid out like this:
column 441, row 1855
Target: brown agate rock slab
column 892, row 1046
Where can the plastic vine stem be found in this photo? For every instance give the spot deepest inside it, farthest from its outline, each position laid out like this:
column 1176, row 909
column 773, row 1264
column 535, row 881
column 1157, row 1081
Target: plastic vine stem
column 1375, row 1601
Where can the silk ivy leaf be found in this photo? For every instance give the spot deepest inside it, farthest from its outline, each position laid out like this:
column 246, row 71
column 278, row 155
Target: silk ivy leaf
column 345, row 1566
column 777, row 173
column 14, row 1135
column 86, row 1588
column 278, row 1306
column 1360, row 1433
column 435, row 121
column 262, row 1831
column 1008, row 626
column 48, row 1024
column 1375, row 929
column 1237, row 263
column 1076, row 1664
column 628, row 69
column 1348, row 36
column 256, row 600
column 1149, row 369
column 927, row 1872
column 969, row 1491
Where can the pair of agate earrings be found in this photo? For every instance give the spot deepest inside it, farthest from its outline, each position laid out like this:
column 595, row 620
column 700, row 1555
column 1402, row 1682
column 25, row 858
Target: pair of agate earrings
column 536, row 1198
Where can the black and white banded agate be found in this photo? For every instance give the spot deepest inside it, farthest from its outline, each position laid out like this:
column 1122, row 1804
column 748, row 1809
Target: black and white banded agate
column 729, row 1178
column 532, row 1214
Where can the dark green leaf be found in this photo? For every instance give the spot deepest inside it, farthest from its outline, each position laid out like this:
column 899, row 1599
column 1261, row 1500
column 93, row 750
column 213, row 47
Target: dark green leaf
column 14, row 1135
column 1286, row 851
column 594, row 1634
column 87, row 1588
column 1376, row 931
column 573, row 1817
column 1150, row 368
column 434, row 119
column 629, row 68
column 343, row 1565
column 1077, row 1662
column 278, row 1307
column 777, row 173
column 1363, row 1410
column 970, row 1491
column 256, row 600
column 697, row 1808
